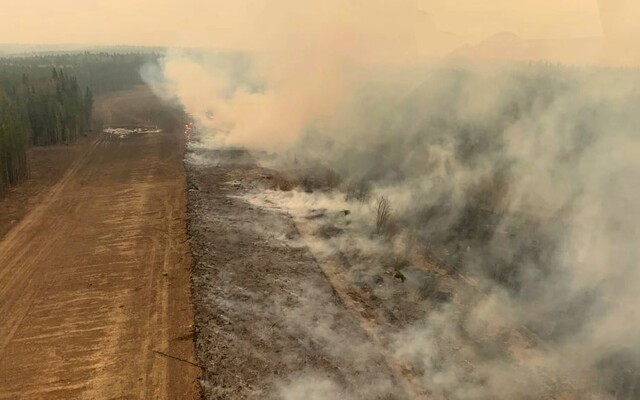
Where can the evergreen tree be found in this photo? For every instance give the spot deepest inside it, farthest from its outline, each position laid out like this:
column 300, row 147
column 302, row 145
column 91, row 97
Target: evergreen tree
column 40, row 111
column 88, row 105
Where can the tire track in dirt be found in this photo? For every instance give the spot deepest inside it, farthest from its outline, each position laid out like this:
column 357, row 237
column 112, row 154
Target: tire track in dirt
column 95, row 279
column 20, row 277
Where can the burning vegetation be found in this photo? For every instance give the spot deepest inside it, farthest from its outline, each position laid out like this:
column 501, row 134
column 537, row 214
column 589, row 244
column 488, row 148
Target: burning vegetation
column 464, row 242
column 476, row 219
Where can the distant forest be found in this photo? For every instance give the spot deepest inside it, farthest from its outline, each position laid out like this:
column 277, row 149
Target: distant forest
column 101, row 72
column 48, row 99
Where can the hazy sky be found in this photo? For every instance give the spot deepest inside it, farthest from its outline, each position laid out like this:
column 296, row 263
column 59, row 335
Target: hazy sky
column 526, row 18
column 214, row 23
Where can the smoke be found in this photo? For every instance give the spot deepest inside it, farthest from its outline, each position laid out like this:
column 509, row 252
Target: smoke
column 525, row 177
column 522, row 178
column 306, row 60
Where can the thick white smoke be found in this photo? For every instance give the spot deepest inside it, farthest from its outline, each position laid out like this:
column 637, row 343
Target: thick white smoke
column 523, row 176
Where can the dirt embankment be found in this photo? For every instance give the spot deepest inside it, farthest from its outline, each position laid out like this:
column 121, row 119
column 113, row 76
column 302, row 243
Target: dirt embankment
column 94, row 280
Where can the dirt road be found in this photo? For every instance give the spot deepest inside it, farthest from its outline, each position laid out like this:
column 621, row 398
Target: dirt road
column 94, row 280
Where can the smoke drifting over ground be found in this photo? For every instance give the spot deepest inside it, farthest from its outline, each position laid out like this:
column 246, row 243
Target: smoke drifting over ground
column 522, row 178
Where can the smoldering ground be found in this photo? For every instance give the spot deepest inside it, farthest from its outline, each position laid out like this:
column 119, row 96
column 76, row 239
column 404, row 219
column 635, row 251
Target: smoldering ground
column 526, row 217
column 517, row 184
column 525, row 179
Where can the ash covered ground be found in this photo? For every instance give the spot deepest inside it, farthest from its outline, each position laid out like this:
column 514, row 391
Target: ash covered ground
column 298, row 294
column 484, row 251
column 268, row 322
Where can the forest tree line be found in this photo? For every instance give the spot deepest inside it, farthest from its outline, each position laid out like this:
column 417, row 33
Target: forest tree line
column 102, row 72
column 48, row 99
column 39, row 112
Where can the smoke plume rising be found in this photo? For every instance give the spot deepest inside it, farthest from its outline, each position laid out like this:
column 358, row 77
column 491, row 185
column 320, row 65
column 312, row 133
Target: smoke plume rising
column 524, row 177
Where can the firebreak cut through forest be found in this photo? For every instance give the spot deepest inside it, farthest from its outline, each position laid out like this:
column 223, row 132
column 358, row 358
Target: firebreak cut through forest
column 48, row 100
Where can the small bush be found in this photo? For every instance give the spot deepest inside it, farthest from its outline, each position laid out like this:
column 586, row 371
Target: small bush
column 280, row 182
column 383, row 215
column 332, row 178
column 358, row 190
column 318, row 177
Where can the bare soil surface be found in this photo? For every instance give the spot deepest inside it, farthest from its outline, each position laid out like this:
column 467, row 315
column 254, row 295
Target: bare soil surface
column 46, row 165
column 94, row 271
